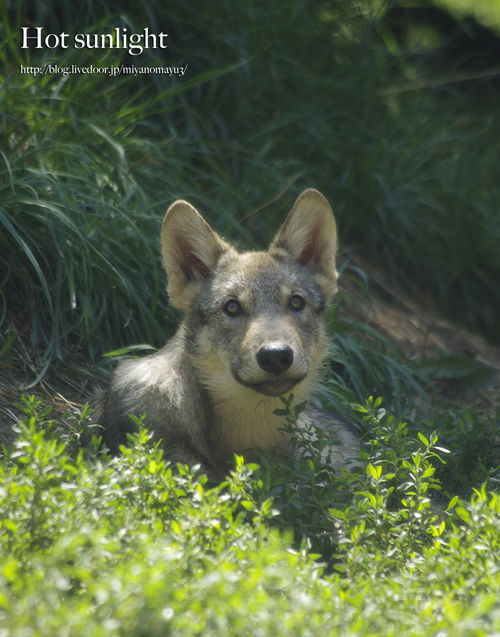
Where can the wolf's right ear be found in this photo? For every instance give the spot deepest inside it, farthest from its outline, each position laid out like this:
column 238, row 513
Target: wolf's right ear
column 190, row 250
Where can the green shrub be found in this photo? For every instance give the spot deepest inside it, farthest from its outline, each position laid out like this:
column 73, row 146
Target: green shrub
column 91, row 545
column 473, row 440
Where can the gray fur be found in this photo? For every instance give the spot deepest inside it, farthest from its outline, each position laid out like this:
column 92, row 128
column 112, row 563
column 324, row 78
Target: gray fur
column 253, row 329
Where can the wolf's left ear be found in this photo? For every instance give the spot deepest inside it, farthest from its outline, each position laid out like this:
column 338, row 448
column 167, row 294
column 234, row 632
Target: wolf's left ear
column 309, row 234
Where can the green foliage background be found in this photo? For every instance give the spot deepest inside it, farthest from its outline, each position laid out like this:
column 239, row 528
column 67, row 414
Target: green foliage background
column 275, row 98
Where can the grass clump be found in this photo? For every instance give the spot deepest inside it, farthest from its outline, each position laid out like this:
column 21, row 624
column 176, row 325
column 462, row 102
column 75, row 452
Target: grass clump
column 90, row 164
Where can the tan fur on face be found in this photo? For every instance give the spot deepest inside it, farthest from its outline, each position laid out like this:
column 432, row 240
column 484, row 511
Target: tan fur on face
column 244, row 419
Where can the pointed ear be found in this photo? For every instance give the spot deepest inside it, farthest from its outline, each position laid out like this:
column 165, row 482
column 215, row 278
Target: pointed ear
column 309, row 234
column 190, row 250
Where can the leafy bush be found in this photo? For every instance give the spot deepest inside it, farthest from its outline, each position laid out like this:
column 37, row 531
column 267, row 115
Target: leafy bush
column 132, row 546
column 473, row 440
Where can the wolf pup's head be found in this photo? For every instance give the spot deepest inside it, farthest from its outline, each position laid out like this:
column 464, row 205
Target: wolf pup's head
column 254, row 320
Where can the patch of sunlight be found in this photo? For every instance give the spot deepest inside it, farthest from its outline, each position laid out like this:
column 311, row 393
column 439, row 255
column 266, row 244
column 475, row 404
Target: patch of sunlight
column 485, row 11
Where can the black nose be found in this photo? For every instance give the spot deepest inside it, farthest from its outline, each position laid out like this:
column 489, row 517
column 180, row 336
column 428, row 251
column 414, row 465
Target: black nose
column 275, row 358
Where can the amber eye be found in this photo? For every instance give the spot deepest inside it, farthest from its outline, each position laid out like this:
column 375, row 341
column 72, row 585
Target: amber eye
column 297, row 303
column 232, row 308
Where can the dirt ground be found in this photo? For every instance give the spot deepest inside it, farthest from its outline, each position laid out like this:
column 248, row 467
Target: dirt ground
column 420, row 332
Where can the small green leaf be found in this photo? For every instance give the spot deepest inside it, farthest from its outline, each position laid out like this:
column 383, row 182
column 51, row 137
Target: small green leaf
column 375, row 472
column 280, row 412
column 423, row 439
column 176, row 528
column 452, row 503
column 464, row 514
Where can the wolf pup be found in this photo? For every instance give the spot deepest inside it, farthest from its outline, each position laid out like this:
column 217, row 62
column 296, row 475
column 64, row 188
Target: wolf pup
column 253, row 330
